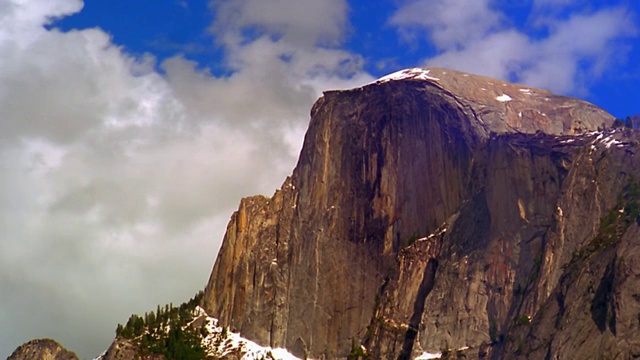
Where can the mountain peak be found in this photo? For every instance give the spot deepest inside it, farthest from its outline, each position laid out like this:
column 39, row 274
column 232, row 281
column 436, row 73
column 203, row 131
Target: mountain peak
column 499, row 106
column 434, row 209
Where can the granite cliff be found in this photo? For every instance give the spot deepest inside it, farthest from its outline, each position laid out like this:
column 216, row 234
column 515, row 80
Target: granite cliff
column 432, row 213
column 434, row 210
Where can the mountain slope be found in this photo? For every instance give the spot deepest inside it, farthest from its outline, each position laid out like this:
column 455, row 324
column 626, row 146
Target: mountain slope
column 430, row 210
column 42, row 349
column 216, row 341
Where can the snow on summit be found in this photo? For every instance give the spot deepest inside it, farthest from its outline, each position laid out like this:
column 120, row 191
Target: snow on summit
column 413, row 73
column 503, row 98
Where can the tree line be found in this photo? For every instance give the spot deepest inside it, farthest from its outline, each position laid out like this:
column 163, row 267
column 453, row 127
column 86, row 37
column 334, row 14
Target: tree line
column 165, row 331
column 632, row 122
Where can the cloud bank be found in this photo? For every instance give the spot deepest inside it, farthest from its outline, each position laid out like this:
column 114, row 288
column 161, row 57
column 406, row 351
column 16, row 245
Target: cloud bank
column 117, row 181
column 564, row 46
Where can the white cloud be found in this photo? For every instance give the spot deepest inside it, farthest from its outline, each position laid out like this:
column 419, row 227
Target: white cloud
column 498, row 55
column 579, row 50
column 116, row 182
column 449, row 24
column 576, row 49
column 22, row 18
column 553, row 4
column 301, row 22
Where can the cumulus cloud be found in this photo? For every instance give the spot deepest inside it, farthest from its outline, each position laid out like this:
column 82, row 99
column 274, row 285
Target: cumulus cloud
column 302, row 22
column 553, row 4
column 449, row 24
column 116, row 181
column 576, row 46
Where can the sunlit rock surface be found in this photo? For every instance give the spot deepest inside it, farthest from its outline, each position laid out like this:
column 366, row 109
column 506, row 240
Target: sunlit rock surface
column 435, row 211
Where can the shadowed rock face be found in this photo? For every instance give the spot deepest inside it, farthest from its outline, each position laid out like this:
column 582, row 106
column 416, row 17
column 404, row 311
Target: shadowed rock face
column 42, row 349
column 435, row 210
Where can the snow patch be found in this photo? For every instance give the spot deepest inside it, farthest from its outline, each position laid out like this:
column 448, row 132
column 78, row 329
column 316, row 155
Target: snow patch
column 427, row 356
column 607, row 139
column 611, row 141
column 439, row 232
column 414, row 73
column 504, row 98
column 526, row 91
column 220, row 342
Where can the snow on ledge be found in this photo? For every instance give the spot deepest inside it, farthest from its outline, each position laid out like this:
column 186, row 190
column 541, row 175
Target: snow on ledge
column 504, row 98
column 413, row 73
column 221, row 343
column 427, row 356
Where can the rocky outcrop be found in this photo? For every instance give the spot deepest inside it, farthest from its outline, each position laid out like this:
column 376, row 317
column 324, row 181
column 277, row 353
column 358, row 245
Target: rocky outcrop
column 125, row 349
column 42, row 349
column 436, row 210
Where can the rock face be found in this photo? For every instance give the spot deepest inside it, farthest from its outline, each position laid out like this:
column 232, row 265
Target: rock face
column 42, row 349
column 125, row 349
column 437, row 210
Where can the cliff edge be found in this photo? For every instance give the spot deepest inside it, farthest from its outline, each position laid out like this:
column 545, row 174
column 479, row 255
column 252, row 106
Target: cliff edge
column 434, row 211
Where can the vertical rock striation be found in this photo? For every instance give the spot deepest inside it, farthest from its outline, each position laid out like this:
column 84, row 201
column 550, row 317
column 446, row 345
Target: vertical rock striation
column 429, row 210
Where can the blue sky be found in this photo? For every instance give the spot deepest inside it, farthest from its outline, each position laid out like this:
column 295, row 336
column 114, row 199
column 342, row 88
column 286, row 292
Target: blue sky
column 168, row 28
column 130, row 130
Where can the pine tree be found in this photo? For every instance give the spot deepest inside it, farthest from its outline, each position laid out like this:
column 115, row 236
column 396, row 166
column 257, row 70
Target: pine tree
column 119, row 330
column 632, row 122
column 181, row 342
column 151, row 321
column 138, row 326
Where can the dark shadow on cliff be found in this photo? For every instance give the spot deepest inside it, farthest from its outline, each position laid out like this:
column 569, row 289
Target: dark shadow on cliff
column 601, row 306
column 428, row 280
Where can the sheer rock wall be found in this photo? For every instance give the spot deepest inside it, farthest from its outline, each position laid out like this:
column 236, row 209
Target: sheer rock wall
column 431, row 212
